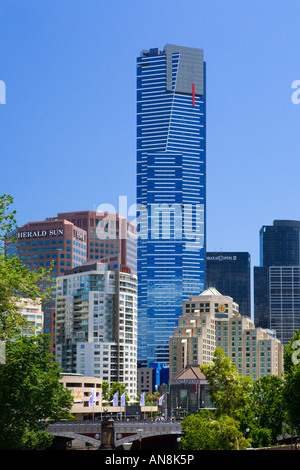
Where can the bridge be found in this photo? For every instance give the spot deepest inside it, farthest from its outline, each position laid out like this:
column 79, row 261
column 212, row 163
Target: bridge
column 96, row 433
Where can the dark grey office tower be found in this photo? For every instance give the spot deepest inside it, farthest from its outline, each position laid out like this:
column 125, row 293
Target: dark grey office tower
column 230, row 274
column 277, row 279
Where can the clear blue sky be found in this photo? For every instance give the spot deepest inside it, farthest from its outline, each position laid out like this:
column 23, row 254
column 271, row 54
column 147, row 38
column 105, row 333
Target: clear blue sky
column 68, row 128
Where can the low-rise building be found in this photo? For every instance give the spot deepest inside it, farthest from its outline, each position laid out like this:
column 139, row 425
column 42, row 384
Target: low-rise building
column 88, row 403
column 188, row 393
column 83, row 389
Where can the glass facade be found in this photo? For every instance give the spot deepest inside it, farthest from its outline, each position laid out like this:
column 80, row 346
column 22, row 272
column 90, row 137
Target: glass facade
column 276, row 281
column 284, row 301
column 170, row 192
column 229, row 273
column 280, row 243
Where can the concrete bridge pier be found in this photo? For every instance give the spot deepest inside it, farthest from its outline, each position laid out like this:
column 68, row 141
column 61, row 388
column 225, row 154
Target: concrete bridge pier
column 107, row 435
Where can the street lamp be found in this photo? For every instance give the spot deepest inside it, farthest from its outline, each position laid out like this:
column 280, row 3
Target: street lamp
column 140, row 432
column 127, row 445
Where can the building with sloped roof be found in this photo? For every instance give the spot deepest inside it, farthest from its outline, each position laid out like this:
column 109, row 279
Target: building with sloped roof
column 188, row 392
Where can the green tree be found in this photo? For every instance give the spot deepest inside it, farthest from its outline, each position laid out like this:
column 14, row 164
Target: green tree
column 16, row 281
column 227, row 389
column 7, row 220
column 264, row 413
column 292, row 382
column 105, row 390
column 204, row 431
column 30, row 393
column 117, row 387
column 152, row 398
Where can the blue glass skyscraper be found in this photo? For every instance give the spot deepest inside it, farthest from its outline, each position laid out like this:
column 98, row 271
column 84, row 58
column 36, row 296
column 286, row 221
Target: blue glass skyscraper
column 171, row 156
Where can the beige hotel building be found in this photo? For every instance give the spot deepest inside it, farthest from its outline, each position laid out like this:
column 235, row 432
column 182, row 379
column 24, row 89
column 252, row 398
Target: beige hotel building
column 212, row 320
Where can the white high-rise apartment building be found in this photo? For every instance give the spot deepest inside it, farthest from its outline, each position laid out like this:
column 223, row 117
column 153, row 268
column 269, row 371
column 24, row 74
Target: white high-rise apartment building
column 96, row 323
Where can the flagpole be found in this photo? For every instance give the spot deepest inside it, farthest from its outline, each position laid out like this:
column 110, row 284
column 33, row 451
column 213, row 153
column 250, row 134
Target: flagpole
column 124, row 404
column 142, row 402
column 92, row 401
column 116, row 401
column 166, row 406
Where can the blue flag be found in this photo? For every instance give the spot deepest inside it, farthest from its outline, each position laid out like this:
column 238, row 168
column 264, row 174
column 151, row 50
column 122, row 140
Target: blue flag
column 115, row 399
column 123, row 399
column 92, row 398
column 142, row 400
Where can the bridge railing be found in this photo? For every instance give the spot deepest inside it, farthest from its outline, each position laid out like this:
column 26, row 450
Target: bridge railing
column 124, row 431
column 95, row 426
column 116, row 423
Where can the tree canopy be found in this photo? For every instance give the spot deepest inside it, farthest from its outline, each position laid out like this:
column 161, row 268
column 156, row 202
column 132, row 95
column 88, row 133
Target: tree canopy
column 292, row 381
column 16, row 281
column 203, row 431
column 264, row 413
column 228, row 390
column 30, row 392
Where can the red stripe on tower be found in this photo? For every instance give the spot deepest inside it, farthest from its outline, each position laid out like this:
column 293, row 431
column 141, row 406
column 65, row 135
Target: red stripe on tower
column 193, row 94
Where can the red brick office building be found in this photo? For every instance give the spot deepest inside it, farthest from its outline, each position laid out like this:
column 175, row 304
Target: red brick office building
column 54, row 243
column 107, row 234
column 70, row 239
